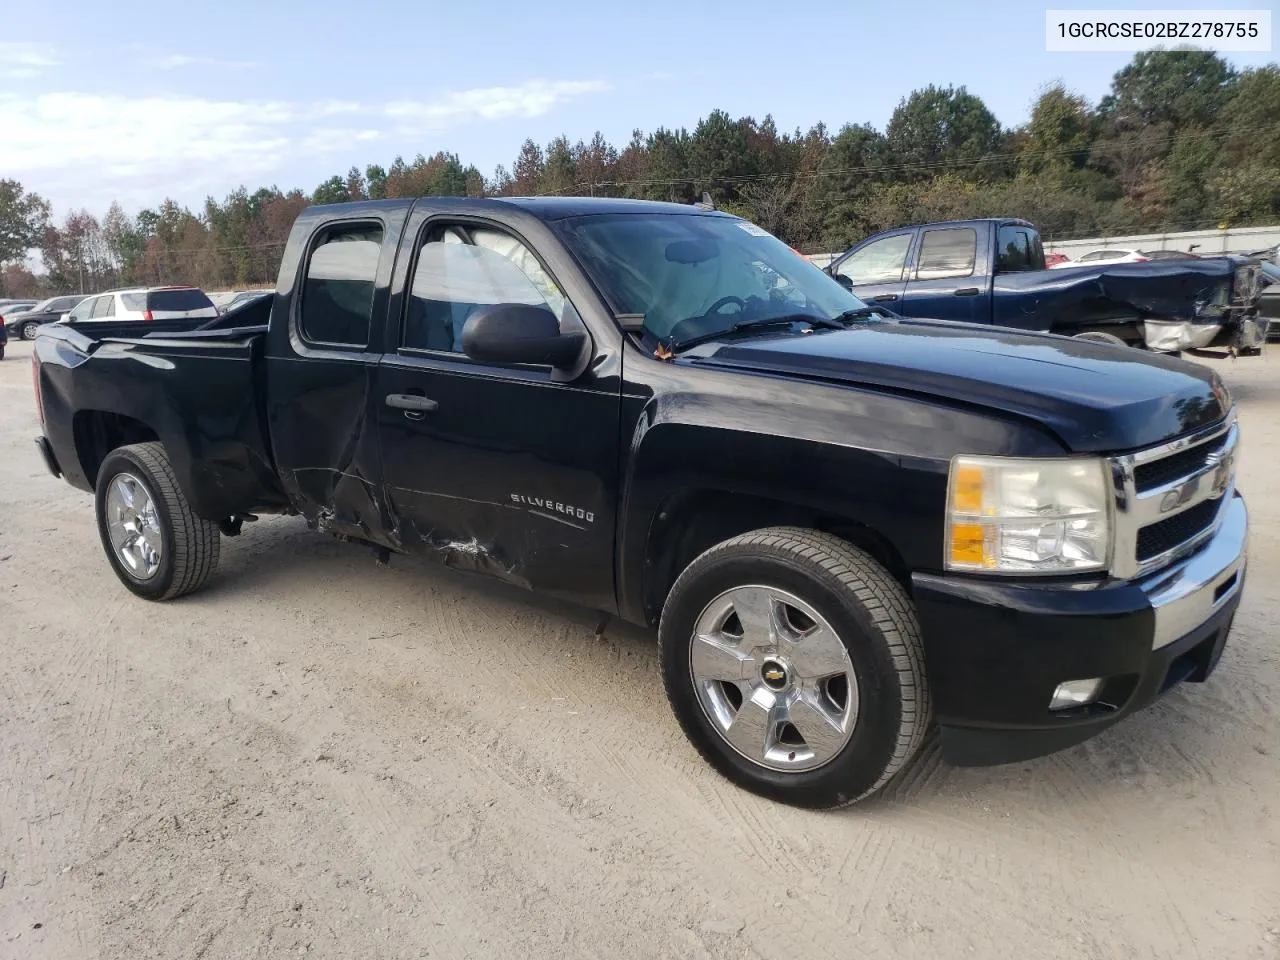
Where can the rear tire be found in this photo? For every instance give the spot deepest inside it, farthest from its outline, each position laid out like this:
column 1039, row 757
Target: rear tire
column 155, row 544
column 819, row 588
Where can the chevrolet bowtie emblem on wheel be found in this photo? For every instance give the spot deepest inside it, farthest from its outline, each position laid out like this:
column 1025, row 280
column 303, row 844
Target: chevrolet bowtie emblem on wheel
column 774, row 674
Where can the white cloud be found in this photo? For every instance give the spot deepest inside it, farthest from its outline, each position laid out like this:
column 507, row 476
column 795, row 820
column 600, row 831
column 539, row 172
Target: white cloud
column 87, row 149
column 175, row 61
column 20, row 60
column 531, row 99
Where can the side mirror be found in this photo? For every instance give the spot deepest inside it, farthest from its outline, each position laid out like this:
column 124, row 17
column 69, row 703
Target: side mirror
column 843, row 280
column 519, row 333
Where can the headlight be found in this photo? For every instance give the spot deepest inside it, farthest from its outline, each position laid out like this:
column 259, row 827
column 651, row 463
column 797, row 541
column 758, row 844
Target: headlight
column 1027, row 516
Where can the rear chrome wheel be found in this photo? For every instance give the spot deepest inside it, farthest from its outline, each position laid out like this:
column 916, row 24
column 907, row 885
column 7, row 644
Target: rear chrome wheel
column 155, row 543
column 134, row 526
column 774, row 678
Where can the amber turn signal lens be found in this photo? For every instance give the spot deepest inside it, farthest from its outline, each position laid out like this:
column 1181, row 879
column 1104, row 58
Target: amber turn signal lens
column 966, row 495
column 968, row 544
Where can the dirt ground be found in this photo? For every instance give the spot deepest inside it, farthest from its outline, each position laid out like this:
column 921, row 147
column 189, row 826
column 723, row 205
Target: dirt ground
column 317, row 757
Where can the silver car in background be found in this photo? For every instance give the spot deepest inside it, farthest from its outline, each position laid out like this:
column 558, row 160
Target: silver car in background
column 145, row 303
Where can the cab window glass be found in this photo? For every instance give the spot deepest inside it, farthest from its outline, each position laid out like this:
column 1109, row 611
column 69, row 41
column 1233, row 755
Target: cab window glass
column 337, row 295
column 878, row 262
column 461, row 269
column 947, row 253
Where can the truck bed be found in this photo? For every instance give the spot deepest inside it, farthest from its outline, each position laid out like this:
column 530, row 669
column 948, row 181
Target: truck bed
column 197, row 391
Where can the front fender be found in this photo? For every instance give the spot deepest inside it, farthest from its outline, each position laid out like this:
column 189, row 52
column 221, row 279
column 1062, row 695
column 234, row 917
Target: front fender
column 875, row 460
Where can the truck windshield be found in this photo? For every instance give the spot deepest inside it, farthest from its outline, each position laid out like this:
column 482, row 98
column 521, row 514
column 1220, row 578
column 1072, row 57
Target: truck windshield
column 695, row 274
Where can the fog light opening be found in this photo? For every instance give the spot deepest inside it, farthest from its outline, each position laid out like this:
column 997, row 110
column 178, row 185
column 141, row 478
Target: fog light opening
column 1075, row 693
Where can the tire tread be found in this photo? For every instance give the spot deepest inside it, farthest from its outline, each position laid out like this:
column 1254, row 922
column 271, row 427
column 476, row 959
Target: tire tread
column 886, row 603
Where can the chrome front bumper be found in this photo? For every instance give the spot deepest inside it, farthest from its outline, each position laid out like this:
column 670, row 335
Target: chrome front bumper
column 1192, row 590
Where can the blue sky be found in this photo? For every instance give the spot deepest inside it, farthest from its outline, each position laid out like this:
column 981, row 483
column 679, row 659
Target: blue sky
column 138, row 100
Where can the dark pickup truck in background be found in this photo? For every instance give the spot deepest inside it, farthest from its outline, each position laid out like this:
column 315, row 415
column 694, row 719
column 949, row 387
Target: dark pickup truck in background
column 993, row 271
column 844, row 526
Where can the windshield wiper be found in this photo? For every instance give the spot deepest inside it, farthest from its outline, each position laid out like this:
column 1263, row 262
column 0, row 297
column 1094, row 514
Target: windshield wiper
column 864, row 313
column 763, row 323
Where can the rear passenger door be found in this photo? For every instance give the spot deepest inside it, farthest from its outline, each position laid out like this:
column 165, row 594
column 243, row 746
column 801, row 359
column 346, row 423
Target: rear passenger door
column 944, row 281
column 322, row 357
column 876, row 271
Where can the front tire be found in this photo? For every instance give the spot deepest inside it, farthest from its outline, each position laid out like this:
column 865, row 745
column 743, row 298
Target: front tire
column 157, row 547
column 30, row 329
column 794, row 664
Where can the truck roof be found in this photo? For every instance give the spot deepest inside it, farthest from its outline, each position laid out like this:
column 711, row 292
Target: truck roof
column 544, row 208
column 933, row 223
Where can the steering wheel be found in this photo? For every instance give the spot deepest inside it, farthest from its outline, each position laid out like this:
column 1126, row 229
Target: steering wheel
column 724, row 302
column 708, row 322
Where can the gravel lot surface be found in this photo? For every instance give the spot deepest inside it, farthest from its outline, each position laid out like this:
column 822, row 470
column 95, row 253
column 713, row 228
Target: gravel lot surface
column 317, row 757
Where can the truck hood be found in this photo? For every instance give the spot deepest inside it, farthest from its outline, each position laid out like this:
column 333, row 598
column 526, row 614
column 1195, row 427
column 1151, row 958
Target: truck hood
column 1095, row 397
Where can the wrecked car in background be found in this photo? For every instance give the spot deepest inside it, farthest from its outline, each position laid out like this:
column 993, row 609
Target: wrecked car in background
column 844, row 526
column 993, row 271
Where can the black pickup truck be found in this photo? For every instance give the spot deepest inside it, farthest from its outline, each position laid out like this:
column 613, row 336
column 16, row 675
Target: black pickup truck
column 844, row 526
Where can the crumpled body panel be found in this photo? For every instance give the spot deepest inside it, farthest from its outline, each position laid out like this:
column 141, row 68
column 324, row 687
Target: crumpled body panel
column 1196, row 293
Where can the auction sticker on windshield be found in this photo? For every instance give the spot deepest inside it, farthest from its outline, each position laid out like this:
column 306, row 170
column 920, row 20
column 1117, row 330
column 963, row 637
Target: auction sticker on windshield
column 751, row 228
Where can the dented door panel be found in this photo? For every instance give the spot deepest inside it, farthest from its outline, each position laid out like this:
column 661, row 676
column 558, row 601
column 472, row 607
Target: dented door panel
column 323, row 433
column 510, row 475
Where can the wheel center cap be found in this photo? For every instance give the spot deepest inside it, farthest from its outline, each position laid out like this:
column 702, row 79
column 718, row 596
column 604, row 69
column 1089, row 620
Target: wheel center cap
column 774, row 674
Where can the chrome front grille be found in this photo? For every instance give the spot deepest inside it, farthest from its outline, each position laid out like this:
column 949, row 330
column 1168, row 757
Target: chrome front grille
column 1177, row 466
column 1170, row 499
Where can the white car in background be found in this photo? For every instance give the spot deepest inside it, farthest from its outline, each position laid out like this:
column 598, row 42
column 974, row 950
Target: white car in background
column 145, row 303
column 1108, row 255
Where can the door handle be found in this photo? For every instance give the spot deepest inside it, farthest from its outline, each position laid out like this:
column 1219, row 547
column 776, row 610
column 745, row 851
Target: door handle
column 415, row 407
column 966, row 292
column 885, row 297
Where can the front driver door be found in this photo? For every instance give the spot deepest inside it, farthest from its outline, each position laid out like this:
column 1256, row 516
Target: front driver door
column 499, row 469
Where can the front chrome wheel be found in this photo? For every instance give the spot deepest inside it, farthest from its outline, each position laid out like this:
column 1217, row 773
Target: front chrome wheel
column 774, row 678
column 134, row 526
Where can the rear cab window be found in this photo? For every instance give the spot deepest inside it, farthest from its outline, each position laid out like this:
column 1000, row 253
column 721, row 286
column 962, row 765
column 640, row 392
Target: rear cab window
column 174, row 301
column 1016, row 252
column 337, row 291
